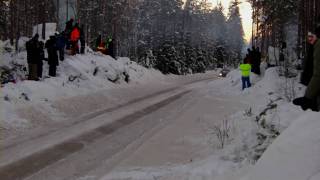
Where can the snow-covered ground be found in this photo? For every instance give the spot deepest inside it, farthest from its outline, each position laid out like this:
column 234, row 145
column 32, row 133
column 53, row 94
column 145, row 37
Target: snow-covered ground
column 268, row 137
column 85, row 84
column 77, row 75
column 223, row 133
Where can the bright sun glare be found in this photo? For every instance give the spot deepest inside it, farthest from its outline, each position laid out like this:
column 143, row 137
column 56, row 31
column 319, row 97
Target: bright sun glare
column 246, row 14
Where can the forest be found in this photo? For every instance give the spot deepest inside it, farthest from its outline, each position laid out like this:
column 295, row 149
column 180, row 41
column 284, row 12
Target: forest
column 171, row 35
column 174, row 36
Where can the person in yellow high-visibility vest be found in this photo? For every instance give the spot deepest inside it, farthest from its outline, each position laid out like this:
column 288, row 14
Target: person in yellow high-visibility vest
column 245, row 72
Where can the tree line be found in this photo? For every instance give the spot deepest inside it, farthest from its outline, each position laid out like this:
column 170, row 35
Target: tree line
column 174, row 36
column 272, row 19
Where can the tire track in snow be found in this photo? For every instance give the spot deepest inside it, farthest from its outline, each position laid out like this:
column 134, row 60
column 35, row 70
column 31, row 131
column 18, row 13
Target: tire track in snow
column 34, row 163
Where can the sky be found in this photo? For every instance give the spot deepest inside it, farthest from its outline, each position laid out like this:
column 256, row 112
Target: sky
column 246, row 14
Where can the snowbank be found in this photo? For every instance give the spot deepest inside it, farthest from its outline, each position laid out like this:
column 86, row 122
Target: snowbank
column 295, row 154
column 77, row 75
column 267, row 114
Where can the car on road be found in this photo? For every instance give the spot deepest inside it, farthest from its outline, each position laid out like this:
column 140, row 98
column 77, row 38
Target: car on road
column 224, row 72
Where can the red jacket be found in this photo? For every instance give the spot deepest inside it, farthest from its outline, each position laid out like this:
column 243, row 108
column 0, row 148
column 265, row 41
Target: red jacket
column 75, row 34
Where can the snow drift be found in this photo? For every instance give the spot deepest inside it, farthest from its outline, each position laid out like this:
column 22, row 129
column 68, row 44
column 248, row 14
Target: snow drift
column 24, row 102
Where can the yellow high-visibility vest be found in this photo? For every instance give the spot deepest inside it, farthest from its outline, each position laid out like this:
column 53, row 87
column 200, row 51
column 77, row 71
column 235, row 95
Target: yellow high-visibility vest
column 245, row 70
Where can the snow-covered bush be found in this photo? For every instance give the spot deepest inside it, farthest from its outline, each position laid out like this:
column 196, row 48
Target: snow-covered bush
column 222, row 131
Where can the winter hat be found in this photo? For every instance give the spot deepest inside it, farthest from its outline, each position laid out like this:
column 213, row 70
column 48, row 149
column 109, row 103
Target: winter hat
column 311, row 34
column 36, row 36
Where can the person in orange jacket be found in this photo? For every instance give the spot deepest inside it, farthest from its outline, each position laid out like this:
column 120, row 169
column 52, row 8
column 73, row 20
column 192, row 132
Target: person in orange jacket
column 74, row 38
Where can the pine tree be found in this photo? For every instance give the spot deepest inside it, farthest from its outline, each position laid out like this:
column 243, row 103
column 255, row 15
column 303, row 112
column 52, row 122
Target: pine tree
column 3, row 18
column 235, row 32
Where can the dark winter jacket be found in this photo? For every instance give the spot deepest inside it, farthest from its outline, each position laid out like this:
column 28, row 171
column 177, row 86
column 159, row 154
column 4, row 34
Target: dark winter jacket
column 61, row 41
column 41, row 53
column 307, row 67
column 111, row 49
column 313, row 90
column 69, row 26
column 32, row 52
column 98, row 41
column 52, row 51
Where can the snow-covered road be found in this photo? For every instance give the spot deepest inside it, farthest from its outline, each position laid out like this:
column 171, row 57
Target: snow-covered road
column 168, row 127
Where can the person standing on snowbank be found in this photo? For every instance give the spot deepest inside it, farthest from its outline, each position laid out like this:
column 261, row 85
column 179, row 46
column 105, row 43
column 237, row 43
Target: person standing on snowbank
column 41, row 57
column 68, row 30
column 245, row 72
column 61, row 44
column 32, row 57
column 111, row 49
column 309, row 101
column 53, row 60
column 307, row 73
column 74, row 38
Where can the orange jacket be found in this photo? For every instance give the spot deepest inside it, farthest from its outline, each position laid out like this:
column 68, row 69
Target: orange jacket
column 75, row 34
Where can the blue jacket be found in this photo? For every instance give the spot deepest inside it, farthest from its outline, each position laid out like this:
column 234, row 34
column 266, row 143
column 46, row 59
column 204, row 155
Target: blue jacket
column 60, row 42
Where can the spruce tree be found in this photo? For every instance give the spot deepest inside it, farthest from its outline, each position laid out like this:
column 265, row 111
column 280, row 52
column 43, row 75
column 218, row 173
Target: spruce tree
column 235, row 34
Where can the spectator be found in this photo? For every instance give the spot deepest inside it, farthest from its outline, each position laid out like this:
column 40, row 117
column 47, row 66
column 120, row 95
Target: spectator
column 52, row 56
column 308, row 61
column 245, row 72
column 68, row 30
column 61, row 44
column 310, row 100
column 74, row 38
column 32, row 57
column 110, row 49
column 40, row 59
column 257, row 61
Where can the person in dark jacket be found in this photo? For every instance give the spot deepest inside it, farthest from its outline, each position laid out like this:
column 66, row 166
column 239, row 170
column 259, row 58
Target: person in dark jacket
column 98, row 41
column 306, row 75
column 101, row 45
column 61, row 44
column 69, row 25
column 312, row 94
column 32, row 57
column 40, row 59
column 111, row 48
column 257, row 62
column 53, row 60
column 68, row 30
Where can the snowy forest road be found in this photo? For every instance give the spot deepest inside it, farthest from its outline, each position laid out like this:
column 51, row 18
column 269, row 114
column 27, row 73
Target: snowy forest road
column 93, row 148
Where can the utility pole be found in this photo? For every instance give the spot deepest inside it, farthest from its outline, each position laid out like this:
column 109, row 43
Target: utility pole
column 44, row 15
column 67, row 10
column 58, row 15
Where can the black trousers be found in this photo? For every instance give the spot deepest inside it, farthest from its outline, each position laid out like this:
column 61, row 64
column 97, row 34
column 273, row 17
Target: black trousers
column 39, row 70
column 53, row 70
column 61, row 54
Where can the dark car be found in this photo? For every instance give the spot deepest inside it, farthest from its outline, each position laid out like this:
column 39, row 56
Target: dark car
column 224, row 72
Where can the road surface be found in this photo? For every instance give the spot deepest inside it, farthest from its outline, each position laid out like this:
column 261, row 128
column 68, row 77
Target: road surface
column 166, row 127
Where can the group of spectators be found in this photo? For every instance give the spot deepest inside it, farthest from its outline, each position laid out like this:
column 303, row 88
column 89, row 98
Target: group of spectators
column 250, row 64
column 74, row 33
column 253, row 57
column 56, row 46
column 310, row 76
